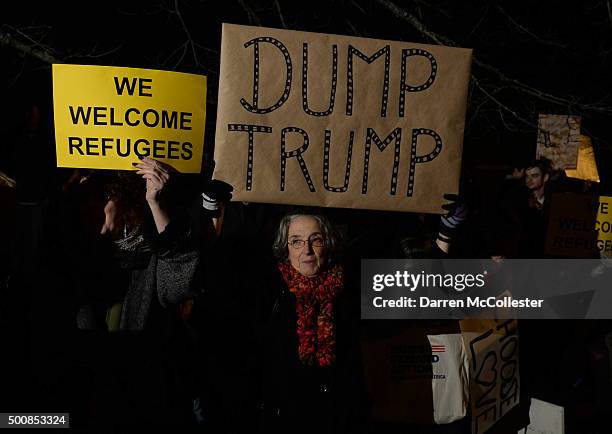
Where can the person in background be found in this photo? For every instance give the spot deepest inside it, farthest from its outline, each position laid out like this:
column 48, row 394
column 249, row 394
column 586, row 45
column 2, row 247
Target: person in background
column 528, row 208
column 537, row 175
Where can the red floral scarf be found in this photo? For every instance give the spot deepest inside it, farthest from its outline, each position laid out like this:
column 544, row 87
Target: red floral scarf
column 315, row 297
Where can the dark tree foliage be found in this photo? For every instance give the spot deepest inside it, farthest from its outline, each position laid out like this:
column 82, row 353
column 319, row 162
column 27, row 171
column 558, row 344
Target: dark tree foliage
column 529, row 57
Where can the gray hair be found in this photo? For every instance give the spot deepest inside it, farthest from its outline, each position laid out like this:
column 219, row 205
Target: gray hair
column 281, row 239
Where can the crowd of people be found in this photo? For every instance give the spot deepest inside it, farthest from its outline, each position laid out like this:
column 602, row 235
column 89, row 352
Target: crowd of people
column 149, row 298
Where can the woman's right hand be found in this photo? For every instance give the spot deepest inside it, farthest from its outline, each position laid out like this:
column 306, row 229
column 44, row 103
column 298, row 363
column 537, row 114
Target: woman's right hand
column 156, row 174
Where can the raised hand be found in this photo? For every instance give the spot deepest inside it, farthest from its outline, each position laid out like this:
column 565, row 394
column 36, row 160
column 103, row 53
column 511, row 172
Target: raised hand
column 456, row 215
column 157, row 175
column 215, row 195
column 450, row 222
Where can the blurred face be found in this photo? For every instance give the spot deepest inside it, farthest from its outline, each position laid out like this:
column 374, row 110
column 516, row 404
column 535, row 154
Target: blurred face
column 306, row 246
column 534, row 179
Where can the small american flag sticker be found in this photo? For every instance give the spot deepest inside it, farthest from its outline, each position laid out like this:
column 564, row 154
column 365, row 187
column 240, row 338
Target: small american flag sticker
column 437, row 348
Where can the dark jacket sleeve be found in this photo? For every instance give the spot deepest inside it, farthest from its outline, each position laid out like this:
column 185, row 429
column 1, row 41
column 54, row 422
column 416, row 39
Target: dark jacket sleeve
column 177, row 262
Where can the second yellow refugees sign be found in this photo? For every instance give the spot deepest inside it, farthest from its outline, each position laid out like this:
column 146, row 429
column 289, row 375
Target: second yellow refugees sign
column 106, row 117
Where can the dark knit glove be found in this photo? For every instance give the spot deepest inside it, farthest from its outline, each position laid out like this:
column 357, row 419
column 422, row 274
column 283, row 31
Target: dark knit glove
column 214, row 195
column 456, row 216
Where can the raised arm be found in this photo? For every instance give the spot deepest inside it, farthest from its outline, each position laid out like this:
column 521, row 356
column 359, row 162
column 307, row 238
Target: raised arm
column 157, row 175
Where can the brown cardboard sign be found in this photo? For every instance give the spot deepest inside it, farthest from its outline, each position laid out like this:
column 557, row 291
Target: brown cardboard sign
column 403, row 374
column 401, row 367
column 493, row 351
column 398, row 375
column 559, row 139
column 338, row 121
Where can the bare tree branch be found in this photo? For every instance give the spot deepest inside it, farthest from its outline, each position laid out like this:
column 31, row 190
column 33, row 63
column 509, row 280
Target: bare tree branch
column 528, row 32
column 544, row 96
column 351, row 26
column 517, row 84
column 183, row 49
column 92, row 54
column 358, row 7
column 280, row 14
column 482, row 17
column 415, row 22
column 7, row 180
column 253, row 19
column 33, row 50
column 500, row 104
column 32, row 40
column 190, row 41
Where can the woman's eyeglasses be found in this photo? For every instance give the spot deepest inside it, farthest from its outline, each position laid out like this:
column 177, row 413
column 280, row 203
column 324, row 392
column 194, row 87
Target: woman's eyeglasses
column 314, row 242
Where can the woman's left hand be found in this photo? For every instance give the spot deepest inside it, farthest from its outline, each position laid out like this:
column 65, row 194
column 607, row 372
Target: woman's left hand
column 156, row 174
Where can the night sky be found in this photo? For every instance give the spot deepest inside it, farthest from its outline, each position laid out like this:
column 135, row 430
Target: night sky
column 536, row 57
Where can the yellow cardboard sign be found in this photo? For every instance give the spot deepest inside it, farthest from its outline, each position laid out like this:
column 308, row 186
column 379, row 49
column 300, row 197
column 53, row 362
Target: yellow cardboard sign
column 579, row 225
column 106, row 117
column 586, row 168
column 603, row 225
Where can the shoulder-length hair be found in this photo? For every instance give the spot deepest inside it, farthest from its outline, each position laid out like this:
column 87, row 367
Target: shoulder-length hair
column 332, row 240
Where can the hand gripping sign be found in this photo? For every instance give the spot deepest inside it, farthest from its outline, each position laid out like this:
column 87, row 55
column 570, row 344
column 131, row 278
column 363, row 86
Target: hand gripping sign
column 106, row 117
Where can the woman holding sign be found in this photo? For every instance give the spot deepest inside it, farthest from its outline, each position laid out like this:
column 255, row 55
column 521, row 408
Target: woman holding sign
column 133, row 267
column 146, row 243
column 304, row 357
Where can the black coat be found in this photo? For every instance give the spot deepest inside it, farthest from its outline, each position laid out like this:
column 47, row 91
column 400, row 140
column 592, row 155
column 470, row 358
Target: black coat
column 295, row 397
column 255, row 381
